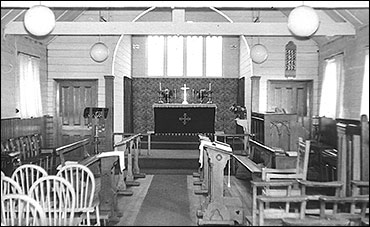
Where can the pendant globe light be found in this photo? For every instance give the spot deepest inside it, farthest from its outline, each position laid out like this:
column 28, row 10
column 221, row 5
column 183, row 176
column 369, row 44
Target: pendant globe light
column 303, row 21
column 258, row 51
column 99, row 52
column 39, row 20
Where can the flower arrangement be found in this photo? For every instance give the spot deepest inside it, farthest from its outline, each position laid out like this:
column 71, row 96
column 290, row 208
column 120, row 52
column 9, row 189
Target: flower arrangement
column 240, row 111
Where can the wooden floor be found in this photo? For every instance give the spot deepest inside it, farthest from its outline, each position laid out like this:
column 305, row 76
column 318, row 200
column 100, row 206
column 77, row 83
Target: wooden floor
column 129, row 206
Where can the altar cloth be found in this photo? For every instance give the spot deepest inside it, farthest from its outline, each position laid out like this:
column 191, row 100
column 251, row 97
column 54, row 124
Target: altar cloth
column 184, row 118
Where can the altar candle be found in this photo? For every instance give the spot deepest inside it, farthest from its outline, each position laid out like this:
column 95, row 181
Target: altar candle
column 160, row 86
column 209, row 86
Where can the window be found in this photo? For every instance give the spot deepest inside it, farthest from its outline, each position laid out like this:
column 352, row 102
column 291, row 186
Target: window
column 156, row 55
column 194, row 56
column 175, row 50
column 214, row 56
column 29, row 84
column 194, row 60
column 332, row 88
column 365, row 87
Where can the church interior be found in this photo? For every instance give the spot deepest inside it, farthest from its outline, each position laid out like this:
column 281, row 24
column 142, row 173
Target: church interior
column 184, row 113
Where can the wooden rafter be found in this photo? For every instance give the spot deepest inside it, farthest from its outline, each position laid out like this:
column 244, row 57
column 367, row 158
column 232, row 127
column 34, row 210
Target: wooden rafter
column 180, row 28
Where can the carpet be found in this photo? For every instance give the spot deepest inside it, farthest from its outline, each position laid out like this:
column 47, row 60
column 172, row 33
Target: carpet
column 166, row 202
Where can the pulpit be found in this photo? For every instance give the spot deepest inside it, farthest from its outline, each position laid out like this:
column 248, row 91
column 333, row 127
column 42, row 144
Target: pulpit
column 184, row 118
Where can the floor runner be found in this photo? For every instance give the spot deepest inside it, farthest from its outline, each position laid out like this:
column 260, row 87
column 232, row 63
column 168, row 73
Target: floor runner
column 166, row 203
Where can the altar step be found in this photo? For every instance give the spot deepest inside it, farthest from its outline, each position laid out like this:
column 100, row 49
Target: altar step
column 182, row 142
column 169, row 161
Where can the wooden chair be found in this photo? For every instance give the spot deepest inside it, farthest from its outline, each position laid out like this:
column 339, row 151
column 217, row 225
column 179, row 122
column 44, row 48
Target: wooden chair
column 259, row 191
column 360, row 188
column 333, row 209
column 269, row 214
column 331, row 188
column 21, row 210
column 26, row 174
column 300, row 172
column 83, row 182
column 9, row 186
column 58, row 199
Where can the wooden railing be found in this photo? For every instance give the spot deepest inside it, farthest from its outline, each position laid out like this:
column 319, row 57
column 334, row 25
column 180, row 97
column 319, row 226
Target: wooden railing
column 63, row 150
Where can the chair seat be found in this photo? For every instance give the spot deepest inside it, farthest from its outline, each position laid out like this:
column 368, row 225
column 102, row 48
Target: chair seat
column 315, row 221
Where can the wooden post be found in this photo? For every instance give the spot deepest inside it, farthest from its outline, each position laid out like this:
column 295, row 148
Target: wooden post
column 255, row 80
column 109, row 103
column 364, row 148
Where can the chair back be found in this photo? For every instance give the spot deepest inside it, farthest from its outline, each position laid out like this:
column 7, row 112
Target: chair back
column 83, row 182
column 297, row 173
column 303, row 153
column 21, row 210
column 58, row 199
column 9, row 186
column 26, row 174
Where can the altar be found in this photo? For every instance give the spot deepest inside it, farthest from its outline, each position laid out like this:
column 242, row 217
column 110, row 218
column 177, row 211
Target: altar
column 182, row 119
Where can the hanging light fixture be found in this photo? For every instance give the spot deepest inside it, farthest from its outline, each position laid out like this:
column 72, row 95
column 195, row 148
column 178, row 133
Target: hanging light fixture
column 39, row 20
column 99, row 52
column 303, row 21
column 258, row 51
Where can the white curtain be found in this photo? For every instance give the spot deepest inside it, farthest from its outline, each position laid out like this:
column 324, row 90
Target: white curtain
column 329, row 90
column 365, row 88
column 30, row 91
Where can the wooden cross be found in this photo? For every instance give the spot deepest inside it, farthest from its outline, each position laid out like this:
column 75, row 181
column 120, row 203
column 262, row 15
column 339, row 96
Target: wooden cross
column 184, row 119
column 185, row 88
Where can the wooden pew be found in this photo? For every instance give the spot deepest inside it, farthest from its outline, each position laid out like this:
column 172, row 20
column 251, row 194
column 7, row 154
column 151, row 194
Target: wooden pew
column 203, row 167
column 27, row 149
column 130, row 145
column 217, row 209
column 63, row 150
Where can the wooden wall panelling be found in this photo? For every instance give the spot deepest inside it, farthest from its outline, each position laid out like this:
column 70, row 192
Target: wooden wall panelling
column 16, row 127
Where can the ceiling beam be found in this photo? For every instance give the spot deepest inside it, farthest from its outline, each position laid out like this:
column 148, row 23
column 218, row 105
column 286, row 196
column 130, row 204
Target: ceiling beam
column 187, row 4
column 180, row 28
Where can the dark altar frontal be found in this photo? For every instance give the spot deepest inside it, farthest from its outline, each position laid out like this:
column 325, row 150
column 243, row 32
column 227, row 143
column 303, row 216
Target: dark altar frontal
column 181, row 123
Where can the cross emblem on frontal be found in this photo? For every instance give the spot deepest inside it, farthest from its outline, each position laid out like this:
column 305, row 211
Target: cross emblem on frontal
column 184, row 119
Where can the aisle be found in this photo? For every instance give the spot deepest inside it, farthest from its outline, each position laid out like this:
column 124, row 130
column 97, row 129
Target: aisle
column 166, row 202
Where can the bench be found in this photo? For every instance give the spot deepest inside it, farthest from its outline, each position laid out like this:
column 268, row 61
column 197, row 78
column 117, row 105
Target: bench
column 63, row 150
column 248, row 163
column 27, row 149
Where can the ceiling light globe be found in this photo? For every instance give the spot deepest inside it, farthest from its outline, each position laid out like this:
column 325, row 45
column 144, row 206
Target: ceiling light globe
column 99, row 52
column 259, row 53
column 303, row 21
column 39, row 20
